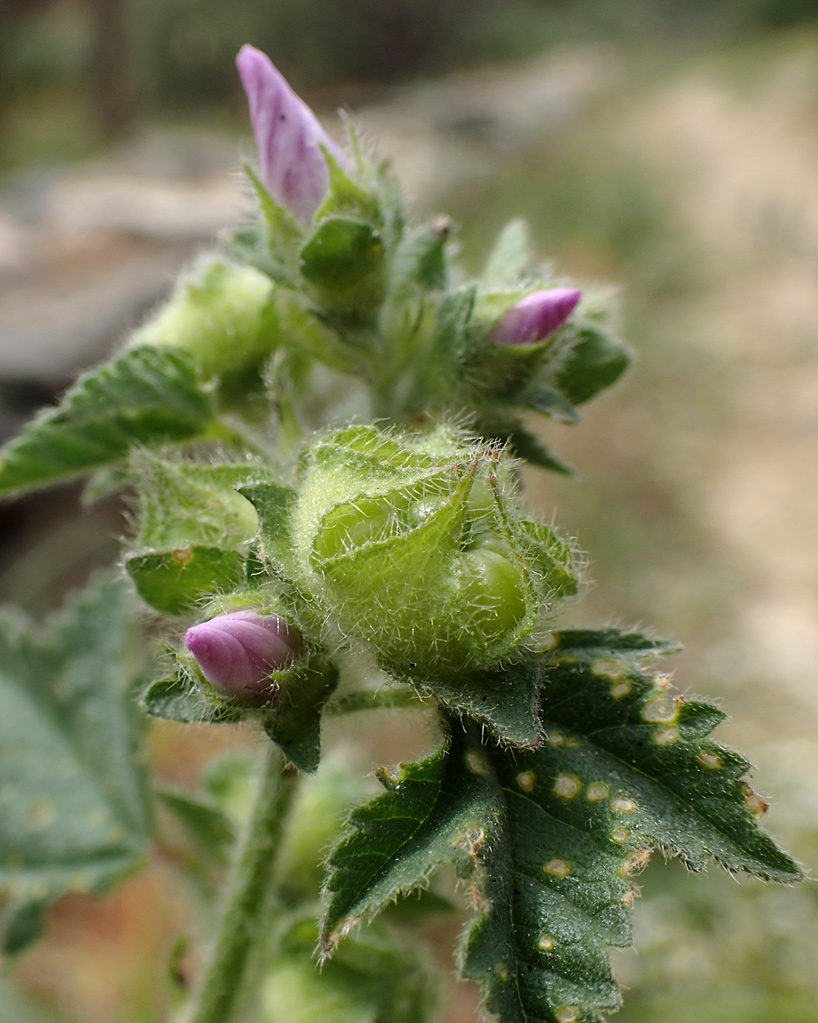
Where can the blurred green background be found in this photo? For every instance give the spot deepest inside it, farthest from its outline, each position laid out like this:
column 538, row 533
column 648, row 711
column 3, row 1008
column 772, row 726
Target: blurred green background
column 670, row 148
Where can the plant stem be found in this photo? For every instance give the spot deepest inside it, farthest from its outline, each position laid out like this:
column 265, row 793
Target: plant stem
column 245, row 902
column 378, row 699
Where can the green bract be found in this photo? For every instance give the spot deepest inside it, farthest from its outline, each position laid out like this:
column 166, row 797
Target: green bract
column 419, row 546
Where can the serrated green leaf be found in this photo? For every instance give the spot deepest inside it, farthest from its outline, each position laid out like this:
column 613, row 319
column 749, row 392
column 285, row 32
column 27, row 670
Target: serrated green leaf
column 549, row 837
column 144, row 396
column 74, row 813
column 504, row 700
column 176, row 582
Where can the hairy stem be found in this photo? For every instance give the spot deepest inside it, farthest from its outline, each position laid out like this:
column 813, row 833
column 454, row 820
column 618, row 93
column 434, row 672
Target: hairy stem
column 220, row 984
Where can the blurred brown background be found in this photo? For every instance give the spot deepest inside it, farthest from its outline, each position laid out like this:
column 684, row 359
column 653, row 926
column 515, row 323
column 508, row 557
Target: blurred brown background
column 669, row 148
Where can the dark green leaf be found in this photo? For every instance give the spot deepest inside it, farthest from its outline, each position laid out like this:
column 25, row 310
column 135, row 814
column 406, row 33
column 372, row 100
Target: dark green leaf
column 549, row 837
column 145, row 396
column 175, row 582
column 74, row 816
column 503, row 699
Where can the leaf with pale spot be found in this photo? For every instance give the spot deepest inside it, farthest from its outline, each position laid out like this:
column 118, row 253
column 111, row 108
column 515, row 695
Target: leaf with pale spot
column 549, row 837
column 73, row 811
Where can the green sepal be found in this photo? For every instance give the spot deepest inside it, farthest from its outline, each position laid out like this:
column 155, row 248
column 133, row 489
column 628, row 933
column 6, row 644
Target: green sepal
column 75, row 815
column 275, row 250
column 527, row 446
column 179, row 697
column 510, row 256
column 273, row 503
column 547, row 401
column 594, row 361
column 209, row 827
column 186, row 503
column 175, row 582
column 145, row 396
column 550, row 558
column 293, row 721
column 346, row 198
column 344, row 264
column 420, row 262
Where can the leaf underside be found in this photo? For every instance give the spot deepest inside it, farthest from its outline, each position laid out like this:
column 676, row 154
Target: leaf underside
column 550, row 837
column 74, row 812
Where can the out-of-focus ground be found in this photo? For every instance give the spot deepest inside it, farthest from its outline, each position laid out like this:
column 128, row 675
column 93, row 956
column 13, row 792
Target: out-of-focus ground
column 694, row 185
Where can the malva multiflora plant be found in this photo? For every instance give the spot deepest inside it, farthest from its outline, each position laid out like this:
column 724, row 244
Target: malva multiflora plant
column 322, row 433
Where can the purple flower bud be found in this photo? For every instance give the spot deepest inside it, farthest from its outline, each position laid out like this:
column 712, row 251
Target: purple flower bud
column 288, row 135
column 237, row 651
column 535, row 317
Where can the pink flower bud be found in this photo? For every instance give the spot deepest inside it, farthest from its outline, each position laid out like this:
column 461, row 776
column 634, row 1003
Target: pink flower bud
column 237, row 651
column 288, row 135
column 535, row 317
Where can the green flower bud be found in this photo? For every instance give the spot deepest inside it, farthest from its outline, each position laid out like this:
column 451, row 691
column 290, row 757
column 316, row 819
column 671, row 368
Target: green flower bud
column 216, row 313
column 419, row 547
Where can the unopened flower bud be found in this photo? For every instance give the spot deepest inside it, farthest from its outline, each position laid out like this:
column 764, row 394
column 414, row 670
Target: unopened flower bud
column 535, row 317
column 238, row 651
column 288, row 135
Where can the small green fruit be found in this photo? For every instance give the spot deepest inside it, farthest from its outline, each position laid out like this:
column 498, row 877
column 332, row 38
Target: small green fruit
column 418, row 546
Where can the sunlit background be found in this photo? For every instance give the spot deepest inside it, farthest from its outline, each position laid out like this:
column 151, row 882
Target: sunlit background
column 668, row 147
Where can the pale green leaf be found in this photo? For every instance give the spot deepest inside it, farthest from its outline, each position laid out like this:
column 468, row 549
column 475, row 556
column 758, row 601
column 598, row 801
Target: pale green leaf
column 73, row 814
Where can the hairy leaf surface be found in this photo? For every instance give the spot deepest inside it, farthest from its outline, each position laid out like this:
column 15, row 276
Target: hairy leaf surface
column 73, row 812
column 550, row 837
column 145, row 396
